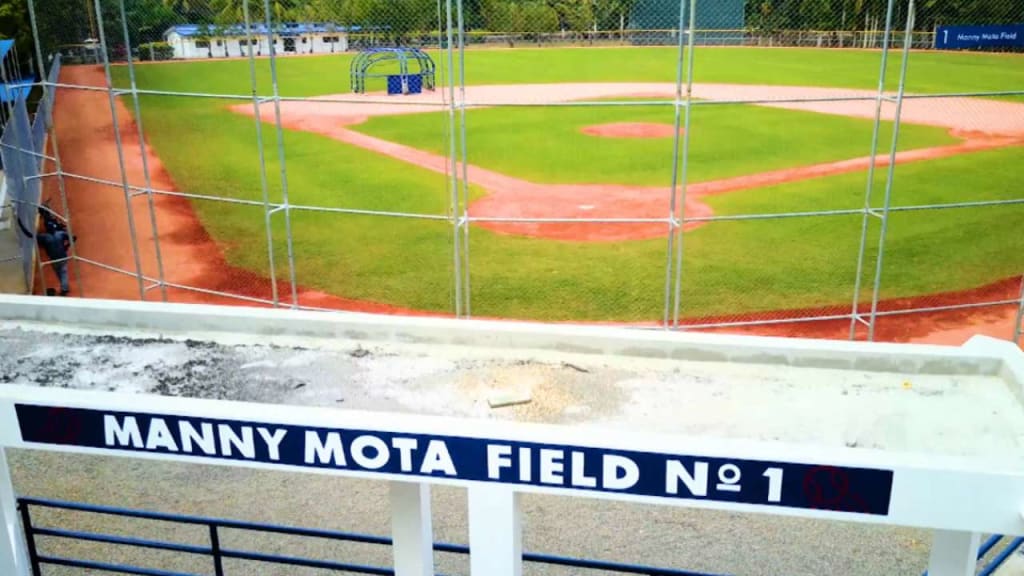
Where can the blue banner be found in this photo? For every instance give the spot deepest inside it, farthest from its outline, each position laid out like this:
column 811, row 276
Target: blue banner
column 582, row 468
column 965, row 37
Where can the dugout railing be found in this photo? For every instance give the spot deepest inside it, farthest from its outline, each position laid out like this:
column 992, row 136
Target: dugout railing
column 997, row 546
column 218, row 552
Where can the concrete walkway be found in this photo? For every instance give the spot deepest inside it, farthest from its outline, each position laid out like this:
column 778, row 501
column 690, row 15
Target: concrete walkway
column 12, row 278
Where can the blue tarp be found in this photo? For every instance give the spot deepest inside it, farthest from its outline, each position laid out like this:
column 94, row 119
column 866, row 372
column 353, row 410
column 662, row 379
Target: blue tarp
column 12, row 92
column 21, row 154
column 20, row 169
column 5, row 47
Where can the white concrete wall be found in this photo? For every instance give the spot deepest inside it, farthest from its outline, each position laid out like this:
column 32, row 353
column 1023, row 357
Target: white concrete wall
column 320, row 46
column 185, row 47
column 219, row 47
column 230, row 47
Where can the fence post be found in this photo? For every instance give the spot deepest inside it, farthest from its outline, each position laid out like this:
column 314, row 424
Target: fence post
column 30, row 539
column 412, row 533
column 13, row 559
column 495, row 532
column 218, row 561
column 954, row 553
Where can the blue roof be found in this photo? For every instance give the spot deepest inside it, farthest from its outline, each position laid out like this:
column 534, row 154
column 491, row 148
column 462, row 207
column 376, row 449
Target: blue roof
column 283, row 29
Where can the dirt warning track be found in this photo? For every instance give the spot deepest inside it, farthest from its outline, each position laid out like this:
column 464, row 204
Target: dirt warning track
column 191, row 258
column 85, row 133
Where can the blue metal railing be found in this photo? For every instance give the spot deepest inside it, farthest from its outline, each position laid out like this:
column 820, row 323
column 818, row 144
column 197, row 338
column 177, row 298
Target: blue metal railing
column 999, row 559
column 218, row 553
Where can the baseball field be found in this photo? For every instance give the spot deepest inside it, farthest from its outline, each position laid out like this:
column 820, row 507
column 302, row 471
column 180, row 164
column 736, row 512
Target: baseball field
column 573, row 161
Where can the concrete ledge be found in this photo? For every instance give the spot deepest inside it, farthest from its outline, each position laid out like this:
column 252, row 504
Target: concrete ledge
column 193, row 319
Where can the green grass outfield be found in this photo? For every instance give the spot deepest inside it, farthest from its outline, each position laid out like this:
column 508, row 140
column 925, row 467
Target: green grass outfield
column 545, row 145
column 731, row 267
column 927, row 72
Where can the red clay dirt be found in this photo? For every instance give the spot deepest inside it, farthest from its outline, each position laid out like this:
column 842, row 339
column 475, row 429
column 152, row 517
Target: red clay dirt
column 85, row 135
column 192, row 258
column 950, row 327
column 630, row 130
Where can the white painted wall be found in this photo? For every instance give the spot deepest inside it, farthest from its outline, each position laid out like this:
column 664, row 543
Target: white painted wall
column 186, row 47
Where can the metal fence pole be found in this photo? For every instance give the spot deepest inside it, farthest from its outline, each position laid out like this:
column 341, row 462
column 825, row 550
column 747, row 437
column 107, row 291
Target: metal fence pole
column 675, row 222
column 262, row 155
column 868, row 212
column 455, row 199
column 465, row 163
column 17, row 63
column 30, row 539
column 1018, row 326
column 891, row 172
column 686, row 160
column 218, row 561
column 142, row 153
column 267, row 11
column 50, row 94
column 59, row 172
column 120, row 151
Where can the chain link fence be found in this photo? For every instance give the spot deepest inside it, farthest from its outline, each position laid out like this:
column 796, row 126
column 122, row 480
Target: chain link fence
column 835, row 168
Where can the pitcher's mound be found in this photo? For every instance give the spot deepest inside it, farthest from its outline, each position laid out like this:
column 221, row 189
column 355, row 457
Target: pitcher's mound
column 630, row 130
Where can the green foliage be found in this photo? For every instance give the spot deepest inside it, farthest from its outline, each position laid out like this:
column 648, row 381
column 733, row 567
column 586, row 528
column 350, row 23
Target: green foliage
column 156, row 51
column 65, row 22
column 857, row 15
column 537, row 18
column 13, row 20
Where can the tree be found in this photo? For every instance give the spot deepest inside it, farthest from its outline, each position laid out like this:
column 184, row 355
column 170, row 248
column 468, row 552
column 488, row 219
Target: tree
column 147, row 20
column 576, row 15
column 14, row 24
column 499, row 16
column 613, row 14
column 62, row 22
column 538, row 18
column 192, row 11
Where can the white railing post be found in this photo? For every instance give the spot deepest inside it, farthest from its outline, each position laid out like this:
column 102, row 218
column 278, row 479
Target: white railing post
column 954, row 553
column 495, row 532
column 13, row 559
column 411, row 529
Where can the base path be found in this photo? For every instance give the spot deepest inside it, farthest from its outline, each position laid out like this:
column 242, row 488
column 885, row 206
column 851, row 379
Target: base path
column 981, row 124
column 192, row 258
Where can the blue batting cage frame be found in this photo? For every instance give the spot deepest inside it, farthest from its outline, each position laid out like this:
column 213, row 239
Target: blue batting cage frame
column 360, row 69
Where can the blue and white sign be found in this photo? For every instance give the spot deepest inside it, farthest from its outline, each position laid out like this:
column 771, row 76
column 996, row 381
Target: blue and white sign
column 510, row 462
column 966, row 37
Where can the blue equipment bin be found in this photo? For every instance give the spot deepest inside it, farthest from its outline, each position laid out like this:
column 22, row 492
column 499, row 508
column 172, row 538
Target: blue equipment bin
column 394, row 84
column 415, row 83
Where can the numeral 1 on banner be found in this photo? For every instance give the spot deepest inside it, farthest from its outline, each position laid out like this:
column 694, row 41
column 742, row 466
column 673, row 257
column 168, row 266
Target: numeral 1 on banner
column 774, row 476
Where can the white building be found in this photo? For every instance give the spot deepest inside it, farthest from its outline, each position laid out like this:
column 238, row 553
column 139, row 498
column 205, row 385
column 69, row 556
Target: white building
column 209, row 41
